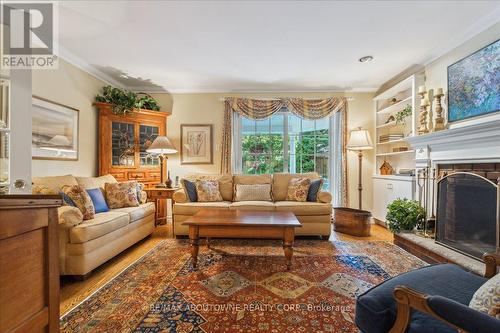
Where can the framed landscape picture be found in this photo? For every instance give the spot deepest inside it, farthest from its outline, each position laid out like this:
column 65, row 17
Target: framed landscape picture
column 196, row 144
column 54, row 134
column 473, row 84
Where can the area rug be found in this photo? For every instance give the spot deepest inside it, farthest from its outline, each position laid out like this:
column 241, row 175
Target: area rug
column 241, row 286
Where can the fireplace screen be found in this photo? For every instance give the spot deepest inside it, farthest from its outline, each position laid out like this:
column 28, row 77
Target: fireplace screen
column 467, row 214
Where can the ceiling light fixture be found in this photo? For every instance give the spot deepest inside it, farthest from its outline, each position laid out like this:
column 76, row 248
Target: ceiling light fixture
column 366, row 59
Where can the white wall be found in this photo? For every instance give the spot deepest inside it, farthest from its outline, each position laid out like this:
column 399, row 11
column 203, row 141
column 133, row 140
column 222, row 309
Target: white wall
column 208, row 109
column 75, row 88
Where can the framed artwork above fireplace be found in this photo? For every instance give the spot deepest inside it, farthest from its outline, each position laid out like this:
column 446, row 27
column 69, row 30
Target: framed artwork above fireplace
column 473, row 84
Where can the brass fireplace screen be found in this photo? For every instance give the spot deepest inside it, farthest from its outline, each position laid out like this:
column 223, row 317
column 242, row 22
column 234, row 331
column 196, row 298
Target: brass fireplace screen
column 468, row 214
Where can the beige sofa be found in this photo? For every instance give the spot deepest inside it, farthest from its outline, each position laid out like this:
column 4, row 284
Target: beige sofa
column 84, row 245
column 314, row 216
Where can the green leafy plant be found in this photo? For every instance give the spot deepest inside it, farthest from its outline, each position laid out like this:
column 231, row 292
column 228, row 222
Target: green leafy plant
column 146, row 102
column 125, row 101
column 401, row 115
column 404, row 215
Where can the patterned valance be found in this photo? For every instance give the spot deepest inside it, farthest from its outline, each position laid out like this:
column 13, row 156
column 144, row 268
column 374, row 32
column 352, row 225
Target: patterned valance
column 311, row 109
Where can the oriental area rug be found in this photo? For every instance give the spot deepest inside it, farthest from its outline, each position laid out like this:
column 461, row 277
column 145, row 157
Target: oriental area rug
column 241, row 286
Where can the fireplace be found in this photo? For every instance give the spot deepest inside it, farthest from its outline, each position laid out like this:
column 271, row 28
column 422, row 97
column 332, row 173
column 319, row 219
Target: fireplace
column 467, row 212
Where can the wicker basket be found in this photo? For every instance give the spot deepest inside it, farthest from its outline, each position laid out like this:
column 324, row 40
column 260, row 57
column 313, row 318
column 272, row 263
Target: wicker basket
column 352, row 221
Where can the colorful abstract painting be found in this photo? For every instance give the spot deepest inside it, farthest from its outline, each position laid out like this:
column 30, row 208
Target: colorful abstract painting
column 474, row 84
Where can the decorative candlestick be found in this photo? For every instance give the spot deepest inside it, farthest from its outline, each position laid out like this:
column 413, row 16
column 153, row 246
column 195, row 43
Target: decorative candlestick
column 439, row 121
column 423, row 113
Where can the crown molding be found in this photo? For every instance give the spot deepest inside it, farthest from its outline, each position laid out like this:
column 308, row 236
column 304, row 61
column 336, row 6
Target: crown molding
column 88, row 68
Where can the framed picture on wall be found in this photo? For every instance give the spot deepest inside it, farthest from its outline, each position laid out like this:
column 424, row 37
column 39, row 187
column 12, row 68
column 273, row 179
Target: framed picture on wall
column 196, row 144
column 54, row 131
column 473, row 84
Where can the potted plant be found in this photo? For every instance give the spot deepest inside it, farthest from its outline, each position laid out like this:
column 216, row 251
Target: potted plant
column 125, row 101
column 404, row 215
column 403, row 114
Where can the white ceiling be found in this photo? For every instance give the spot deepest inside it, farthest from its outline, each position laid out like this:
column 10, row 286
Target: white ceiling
column 224, row 46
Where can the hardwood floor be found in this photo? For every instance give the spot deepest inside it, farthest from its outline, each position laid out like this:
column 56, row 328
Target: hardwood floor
column 73, row 292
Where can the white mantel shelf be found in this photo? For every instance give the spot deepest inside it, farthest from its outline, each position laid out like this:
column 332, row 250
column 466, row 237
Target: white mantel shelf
column 478, row 142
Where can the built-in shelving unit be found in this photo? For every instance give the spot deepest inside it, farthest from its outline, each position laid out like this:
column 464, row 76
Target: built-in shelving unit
column 387, row 105
column 395, row 149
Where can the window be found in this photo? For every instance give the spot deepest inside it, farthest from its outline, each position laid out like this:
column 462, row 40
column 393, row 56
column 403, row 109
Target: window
column 283, row 143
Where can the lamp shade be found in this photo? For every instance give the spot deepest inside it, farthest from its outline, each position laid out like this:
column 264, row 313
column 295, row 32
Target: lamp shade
column 161, row 145
column 360, row 140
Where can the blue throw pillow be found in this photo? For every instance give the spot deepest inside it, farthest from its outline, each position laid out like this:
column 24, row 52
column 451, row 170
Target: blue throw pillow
column 314, row 188
column 190, row 188
column 67, row 200
column 98, row 200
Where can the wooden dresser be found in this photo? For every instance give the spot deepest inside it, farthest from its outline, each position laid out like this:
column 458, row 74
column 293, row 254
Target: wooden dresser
column 123, row 141
column 29, row 263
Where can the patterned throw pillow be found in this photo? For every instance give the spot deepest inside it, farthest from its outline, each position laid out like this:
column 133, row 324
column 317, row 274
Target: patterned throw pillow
column 141, row 194
column 208, row 190
column 81, row 199
column 260, row 192
column 312, row 194
column 298, row 189
column 487, row 298
column 120, row 195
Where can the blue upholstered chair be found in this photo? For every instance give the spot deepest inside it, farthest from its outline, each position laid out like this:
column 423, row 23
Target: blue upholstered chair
column 430, row 299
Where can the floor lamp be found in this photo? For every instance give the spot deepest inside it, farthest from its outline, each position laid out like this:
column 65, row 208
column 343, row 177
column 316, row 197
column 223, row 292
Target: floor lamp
column 360, row 140
column 162, row 146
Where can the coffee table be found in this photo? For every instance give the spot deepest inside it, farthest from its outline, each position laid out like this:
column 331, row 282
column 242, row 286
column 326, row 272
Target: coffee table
column 223, row 223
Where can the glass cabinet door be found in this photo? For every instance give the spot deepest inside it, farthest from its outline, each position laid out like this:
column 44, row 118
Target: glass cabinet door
column 122, row 144
column 147, row 134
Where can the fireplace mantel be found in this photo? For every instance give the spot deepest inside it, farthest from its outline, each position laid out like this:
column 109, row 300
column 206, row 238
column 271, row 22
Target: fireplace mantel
column 478, row 142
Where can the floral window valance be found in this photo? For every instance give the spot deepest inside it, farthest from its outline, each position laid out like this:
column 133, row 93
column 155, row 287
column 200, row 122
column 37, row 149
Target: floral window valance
column 311, row 109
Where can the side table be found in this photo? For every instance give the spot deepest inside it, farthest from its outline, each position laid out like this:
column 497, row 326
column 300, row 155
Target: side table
column 156, row 194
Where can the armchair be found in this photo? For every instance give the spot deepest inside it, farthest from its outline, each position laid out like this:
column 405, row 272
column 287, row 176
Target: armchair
column 440, row 294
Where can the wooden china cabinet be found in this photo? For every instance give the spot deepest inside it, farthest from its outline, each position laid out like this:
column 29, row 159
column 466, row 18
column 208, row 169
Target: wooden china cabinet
column 123, row 141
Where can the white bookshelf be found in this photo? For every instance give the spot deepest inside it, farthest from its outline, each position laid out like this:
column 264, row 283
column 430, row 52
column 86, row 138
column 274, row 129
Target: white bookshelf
column 405, row 93
column 390, row 187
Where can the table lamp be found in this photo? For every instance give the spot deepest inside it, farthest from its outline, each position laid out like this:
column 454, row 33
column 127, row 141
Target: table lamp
column 162, row 146
column 360, row 140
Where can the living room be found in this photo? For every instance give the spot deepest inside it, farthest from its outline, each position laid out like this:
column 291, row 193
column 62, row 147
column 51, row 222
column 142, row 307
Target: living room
column 237, row 166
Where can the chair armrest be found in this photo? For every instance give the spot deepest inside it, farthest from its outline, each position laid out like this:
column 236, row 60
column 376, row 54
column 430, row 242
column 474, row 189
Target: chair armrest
column 180, row 196
column 324, row 197
column 69, row 216
column 406, row 300
column 492, row 261
column 463, row 316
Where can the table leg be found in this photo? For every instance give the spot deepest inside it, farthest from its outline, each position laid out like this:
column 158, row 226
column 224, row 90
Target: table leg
column 193, row 241
column 288, row 239
column 208, row 242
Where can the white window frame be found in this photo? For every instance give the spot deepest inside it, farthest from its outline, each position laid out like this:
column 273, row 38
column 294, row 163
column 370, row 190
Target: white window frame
column 237, row 166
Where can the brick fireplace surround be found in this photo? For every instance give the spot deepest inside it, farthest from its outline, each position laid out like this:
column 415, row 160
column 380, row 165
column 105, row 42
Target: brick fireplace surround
column 490, row 171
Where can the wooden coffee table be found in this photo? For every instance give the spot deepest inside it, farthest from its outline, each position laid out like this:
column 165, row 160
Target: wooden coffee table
column 223, row 223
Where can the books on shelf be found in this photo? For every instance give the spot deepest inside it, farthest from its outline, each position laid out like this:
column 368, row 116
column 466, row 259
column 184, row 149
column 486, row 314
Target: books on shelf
column 390, row 137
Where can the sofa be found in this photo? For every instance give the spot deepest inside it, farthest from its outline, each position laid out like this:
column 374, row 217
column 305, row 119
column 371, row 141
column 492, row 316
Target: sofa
column 86, row 244
column 314, row 216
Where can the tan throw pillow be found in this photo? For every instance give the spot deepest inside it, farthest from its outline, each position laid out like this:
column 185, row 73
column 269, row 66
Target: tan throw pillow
column 120, row 195
column 208, row 190
column 298, row 189
column 261, row 192
column 487, row 298
column 81, row 199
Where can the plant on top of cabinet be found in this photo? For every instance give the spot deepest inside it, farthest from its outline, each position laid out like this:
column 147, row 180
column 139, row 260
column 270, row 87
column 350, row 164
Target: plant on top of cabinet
column 125, row 101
